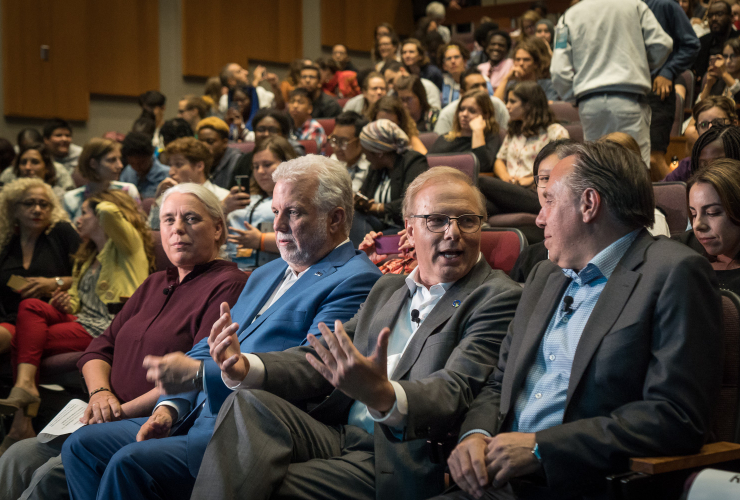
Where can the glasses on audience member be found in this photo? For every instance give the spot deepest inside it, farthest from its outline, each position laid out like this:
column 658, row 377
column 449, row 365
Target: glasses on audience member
column 438, row 223
column 29, row 204
column 268, row 130
column 717, row 122
column 340, row 142
column 541, row 180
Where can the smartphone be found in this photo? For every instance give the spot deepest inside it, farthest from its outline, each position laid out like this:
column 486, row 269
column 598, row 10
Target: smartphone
column 387, row 244
column 242, row 181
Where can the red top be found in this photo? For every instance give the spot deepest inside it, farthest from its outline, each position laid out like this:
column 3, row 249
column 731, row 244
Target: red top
column 152, row 322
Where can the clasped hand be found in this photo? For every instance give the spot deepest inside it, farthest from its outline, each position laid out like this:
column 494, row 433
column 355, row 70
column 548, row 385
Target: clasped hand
column 172, row 373
column 364, row 379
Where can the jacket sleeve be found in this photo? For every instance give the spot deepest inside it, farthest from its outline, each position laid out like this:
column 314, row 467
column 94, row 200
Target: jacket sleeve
column 562, row 71
column 658, row 44
column 117, row 228
column 685, row 42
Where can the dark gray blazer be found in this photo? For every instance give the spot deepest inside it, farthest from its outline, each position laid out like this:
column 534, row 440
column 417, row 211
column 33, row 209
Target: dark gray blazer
column 646, row 372
column 442, row 370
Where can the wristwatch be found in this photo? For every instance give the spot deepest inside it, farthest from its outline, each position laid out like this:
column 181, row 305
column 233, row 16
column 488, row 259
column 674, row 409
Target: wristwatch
column 198, row 379
column 59, row 281
column 536, row 452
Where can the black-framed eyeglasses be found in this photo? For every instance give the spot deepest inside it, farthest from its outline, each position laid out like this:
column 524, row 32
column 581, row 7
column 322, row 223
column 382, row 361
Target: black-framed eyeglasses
column 717, row 122
column 541, row 180
column 341, row 142
column 438, row 223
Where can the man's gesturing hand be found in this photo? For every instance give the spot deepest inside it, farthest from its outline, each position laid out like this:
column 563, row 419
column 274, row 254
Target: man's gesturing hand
column 467, row 464
column 361, row 378
column 172, row 373
column 225, row 349
column 158, row 426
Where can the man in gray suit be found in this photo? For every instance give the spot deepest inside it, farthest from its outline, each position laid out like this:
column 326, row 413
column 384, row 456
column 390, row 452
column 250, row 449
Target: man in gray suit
column 615, row 350
column 403, row 370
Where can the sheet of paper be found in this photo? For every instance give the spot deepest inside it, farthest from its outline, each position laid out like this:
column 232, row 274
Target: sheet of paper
column 66, row 422
column 17, row 283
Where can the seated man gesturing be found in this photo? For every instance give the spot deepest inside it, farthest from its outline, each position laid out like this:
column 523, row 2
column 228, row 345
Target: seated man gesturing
column 405, row 369
column 322, row 278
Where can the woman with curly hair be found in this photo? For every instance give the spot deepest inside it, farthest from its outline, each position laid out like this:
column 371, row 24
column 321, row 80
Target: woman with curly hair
column 114, row 259
column 474, row 130
column 34, row 160
column 531, row 64
column 391, row 108
column 36, row 244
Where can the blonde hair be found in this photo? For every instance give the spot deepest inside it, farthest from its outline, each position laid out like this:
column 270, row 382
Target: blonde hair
column 12, row 194
column 96, row 149
column 487, row 111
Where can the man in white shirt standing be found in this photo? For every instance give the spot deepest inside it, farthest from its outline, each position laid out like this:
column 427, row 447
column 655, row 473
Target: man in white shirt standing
column 402, row 371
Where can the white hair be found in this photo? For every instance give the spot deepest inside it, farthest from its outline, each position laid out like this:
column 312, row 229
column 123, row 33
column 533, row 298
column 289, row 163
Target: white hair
column 213, row 206
column 335, row 184
column 436, row 10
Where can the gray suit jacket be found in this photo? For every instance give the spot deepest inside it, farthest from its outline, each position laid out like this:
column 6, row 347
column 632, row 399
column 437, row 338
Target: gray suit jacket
column 646, row 372
column 443, row 368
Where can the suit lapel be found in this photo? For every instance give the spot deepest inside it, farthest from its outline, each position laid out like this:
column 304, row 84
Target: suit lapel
column 386, row 316
column 440, row 314
column 556, row 284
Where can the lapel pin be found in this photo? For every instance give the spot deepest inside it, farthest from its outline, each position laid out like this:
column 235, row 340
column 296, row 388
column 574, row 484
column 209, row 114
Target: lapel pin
column 456, row 303
column 319, row 273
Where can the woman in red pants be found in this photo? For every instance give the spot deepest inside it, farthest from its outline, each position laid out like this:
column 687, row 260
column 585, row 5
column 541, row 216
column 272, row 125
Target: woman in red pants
column 111, row 263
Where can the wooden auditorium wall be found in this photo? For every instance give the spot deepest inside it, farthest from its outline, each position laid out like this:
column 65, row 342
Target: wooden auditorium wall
column 221, row 31
column 55, row 54
column 352, row 22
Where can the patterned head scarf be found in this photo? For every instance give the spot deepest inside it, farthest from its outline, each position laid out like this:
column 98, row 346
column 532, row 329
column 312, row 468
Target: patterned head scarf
column 383, row 136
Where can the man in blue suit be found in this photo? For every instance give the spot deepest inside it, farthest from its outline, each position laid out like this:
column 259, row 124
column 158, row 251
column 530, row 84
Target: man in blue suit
column 321, row 278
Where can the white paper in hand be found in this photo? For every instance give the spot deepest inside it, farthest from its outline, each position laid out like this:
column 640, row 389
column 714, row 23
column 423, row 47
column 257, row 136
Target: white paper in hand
column 66, row 422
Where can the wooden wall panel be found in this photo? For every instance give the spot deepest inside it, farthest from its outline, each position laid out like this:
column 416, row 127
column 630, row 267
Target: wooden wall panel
column 223, row 31
column 123, row 46
column 59, row 85
column 352, row 22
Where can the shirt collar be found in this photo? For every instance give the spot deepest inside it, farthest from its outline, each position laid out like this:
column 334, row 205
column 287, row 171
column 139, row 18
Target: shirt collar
column 604, row 262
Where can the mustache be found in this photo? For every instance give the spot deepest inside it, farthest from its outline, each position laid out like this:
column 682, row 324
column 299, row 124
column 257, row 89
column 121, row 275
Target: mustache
column 285, row 236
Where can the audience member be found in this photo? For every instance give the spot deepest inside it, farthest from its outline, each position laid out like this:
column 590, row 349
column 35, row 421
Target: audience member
column 336, row 82
column 373, row 88
column 243, row 104
column 610, row 85
column 267, row 122
column 719, row 16
column 341, row 57
column 474, row 130
column 714, row 201
column 143, row 170
column 393, row 69
column 426, row 26
column 388, row 391
column 150, row 324
column 174, row 129
column 526, row 26
column 190, row 161
column 629, row 308
column 386, row 49
column 471, row 79
column 416, row 62
column 268, row 318
column 36, row 242
column 152, row 104
column 234, row 74
column 192, row 109
column 144, row 124
column 27, row 136
column 306, row 128
column 293, row 78
column 531, row 63
column 499, row 64
column 412, row 94
column 345, row 141
column 393, row 166
column 723, row 75
column 7, row 154
column 478, row 55
column 436, row 11
column 662, row 99
column 212, row 94
column 718, row 142
column 99, row 165
column 323, row 105
column 545, row 30
column 112, row 262
column 252, row 241
column 34, row 160
column 383, row 29
column 58, row 138
column 454, row 58
column 214, row 133
column 391, row 108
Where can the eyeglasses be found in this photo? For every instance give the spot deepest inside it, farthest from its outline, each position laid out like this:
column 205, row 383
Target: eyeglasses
column 29, row 204
column 717, row 122
column 340, row 142
column 541, row 180
column 438, row 223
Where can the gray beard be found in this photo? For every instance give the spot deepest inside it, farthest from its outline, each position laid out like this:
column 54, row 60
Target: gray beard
column 307, row 254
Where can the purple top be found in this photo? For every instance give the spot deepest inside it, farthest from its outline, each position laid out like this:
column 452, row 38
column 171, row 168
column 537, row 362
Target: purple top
column 152, row 322
column 681, row 173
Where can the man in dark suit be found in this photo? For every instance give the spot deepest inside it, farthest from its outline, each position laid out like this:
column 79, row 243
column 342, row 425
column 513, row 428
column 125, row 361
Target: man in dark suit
column 719, row 16
column 321, row 278
column 614, row 351
column 402, row 371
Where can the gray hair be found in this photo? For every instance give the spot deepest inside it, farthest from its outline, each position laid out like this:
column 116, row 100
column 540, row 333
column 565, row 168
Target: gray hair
column 436, row 10
column 618, row 175
column 439, row 175
column 335, row 184
column 209, row 200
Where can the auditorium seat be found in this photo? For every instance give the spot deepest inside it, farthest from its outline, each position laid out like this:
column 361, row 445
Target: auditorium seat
column 310, row 147
column 689, row 79
column 146, row 204
column 465, row 162
column 244, row 147
column 342, row 102
column 61, row 369
column 428, row 138
column 678, row 117
column 327, row 124
column 501, row 247
column 575, row 131
column 670, row 197
column 161, row 259
column 565, row 113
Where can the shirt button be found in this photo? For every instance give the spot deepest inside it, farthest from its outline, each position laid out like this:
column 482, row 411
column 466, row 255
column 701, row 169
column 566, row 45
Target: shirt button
column 552, row 357
column 565, row 319
column 538, row 395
